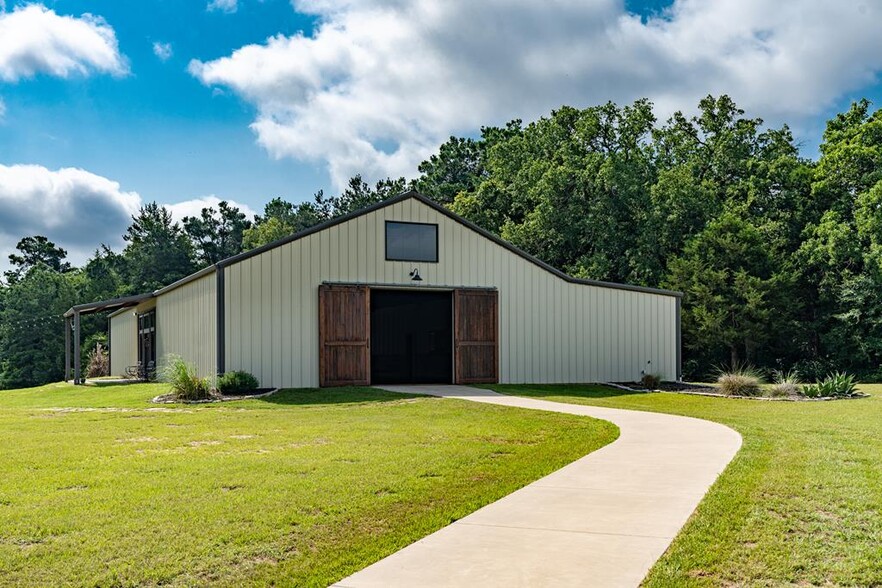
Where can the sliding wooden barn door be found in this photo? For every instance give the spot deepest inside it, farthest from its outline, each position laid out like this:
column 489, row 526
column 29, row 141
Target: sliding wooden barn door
column 344, row 336
column 476, row 336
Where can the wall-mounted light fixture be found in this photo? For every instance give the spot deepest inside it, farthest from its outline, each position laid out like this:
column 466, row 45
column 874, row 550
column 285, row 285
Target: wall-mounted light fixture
column 415, row 275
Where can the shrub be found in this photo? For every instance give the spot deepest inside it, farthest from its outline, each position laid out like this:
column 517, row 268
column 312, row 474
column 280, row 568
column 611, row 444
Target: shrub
column 182, row 378
column 786, row 384
column 835, row 385
column 99, row 362
column 236, row 383
column 814, row 370
column 651, row 381
column 741, row 380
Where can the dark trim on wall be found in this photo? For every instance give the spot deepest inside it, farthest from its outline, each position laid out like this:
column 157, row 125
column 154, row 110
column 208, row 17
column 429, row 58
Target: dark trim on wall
column 679, row 343
column 409, row 286
column 220, row 331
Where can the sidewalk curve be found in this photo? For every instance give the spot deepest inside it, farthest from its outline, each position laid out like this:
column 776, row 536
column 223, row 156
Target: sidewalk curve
column 602, row 520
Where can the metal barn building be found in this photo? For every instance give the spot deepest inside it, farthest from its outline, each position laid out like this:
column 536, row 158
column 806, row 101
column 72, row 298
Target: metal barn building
column 403, row 291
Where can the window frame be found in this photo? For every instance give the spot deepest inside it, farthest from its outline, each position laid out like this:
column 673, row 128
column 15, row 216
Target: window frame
column 395, row 222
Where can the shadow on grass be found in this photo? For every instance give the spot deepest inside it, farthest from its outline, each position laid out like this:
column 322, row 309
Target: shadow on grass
column 545, row 390
column 344, row 395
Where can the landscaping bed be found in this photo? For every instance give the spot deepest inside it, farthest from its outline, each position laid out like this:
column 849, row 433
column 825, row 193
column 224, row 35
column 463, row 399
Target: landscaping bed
column 711, row 390
column 214, row 396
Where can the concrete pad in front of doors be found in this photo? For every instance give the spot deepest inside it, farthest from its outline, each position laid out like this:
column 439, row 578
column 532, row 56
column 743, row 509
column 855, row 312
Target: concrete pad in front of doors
column 603, row 520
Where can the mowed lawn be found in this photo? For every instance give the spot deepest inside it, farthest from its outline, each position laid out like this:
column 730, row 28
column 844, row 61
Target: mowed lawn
column 800, row 505
column 98, row 487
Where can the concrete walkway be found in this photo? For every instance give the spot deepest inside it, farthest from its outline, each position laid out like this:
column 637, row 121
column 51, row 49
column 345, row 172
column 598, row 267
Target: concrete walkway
column 603, row 520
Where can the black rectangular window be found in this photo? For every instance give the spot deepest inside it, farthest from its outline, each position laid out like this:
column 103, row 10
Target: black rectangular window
column 411, row 242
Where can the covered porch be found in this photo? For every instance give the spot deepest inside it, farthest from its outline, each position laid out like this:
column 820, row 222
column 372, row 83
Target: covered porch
column 72, row 331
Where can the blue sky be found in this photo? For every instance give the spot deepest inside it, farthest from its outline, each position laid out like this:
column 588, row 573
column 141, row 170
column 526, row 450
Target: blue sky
column 158, row 130
column 107, row 104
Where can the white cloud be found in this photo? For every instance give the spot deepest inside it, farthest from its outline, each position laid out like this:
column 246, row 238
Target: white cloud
column 162, row 50
column 194, row 207
column 381, row 83
column 228, row 6
column 35, row 40
column 76, row 209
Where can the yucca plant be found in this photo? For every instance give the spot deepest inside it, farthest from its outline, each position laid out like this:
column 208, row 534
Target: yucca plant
column 182, row 378
column 740, row 380
column 835, row 385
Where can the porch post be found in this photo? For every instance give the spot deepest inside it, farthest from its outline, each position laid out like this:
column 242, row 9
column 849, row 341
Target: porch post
column 66, row 349
column 77, row 351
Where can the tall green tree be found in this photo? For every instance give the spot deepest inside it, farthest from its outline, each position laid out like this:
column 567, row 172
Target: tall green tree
column 31, row 328
column 834, row 268
column 359, row 194
column 281, row 218
column 727, row 276
column 158, row 252
column 33, row 251
column 460, row 164
column 217, row 233
column 571, row 189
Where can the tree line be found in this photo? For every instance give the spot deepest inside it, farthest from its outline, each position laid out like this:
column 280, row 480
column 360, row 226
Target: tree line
column 779, row 256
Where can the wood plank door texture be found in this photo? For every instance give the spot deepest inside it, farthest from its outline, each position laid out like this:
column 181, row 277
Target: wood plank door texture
column 344, row 336
column 476, row 336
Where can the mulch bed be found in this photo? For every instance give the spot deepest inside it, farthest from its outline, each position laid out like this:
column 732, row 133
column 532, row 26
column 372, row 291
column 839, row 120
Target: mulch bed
column 215, row 397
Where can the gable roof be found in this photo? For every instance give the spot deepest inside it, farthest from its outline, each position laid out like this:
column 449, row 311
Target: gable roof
column 451, row 215
column 119, row 304
column 395, row 200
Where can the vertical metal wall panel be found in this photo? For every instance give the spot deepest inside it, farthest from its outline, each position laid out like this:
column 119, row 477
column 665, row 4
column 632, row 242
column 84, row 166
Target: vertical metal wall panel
column 550, row 330
column 185, row 324
column 123, row 341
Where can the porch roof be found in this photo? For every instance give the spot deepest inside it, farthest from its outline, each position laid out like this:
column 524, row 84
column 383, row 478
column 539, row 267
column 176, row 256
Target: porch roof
column 104, row 305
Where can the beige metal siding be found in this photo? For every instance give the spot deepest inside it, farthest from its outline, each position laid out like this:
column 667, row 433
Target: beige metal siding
column 123, row 341
column 551, row 330
column 185, row 324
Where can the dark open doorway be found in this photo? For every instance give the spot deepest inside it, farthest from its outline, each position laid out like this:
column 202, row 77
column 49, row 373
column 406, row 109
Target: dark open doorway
column 411, row 337
column 147, row 345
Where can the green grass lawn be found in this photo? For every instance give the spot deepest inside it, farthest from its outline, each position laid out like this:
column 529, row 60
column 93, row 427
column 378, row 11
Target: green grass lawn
column 800, row 505
column 98, row 487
